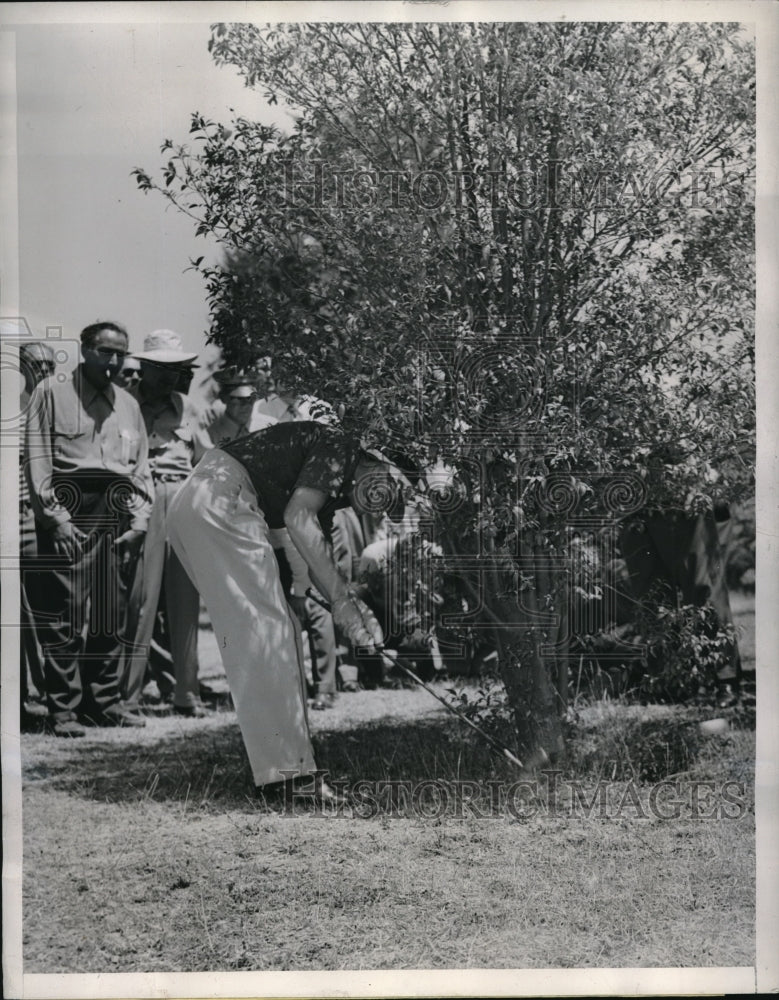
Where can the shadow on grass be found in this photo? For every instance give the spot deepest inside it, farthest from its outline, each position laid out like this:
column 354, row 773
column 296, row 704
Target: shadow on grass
column 208, row 767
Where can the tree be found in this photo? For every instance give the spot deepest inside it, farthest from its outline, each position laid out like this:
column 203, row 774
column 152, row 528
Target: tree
column 523, row 248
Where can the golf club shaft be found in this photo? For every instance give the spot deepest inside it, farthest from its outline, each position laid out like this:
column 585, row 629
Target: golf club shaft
column 396, row 661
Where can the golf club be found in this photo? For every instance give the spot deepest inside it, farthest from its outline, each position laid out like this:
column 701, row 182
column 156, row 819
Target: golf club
column 395, row 660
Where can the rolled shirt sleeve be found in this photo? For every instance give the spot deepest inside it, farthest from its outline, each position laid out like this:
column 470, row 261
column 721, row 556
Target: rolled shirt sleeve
column 144, row 484
column 40, row 461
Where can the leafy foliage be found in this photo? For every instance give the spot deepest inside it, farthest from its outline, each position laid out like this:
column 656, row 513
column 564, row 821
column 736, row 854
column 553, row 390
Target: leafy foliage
column 687, row 646
column 523, row 248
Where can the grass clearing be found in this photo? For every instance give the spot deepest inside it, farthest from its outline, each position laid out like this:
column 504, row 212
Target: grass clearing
column 147, row 850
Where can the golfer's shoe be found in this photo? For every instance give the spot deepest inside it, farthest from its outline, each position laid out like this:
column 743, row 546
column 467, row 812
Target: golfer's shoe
column 307, row 791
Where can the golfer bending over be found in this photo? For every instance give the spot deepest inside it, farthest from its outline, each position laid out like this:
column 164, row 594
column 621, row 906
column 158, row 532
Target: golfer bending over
column 293, row 475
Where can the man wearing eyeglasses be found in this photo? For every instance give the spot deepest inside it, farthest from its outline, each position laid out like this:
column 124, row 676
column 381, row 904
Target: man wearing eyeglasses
column 91, row 492
column 130, row 375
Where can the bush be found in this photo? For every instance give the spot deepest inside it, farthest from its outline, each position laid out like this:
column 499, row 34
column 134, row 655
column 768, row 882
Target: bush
column 686, row 648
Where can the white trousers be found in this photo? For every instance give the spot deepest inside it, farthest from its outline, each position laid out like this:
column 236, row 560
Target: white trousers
column 219, row 533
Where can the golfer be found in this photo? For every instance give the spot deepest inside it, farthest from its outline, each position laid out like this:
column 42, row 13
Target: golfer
column 293, row 475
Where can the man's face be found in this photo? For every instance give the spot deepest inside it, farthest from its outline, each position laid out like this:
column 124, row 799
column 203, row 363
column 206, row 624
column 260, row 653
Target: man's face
column 376, row 492
column 130, row 374
column 104, row 359
column 264, row 383
column 186, row 374
column 158, row 381
column 239, row 409
column 381, row 489
column 35, row 368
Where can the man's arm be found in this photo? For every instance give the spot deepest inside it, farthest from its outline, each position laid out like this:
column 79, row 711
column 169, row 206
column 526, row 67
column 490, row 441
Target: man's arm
column 128, row 544
column 144, row 484
column 39, row 461
column 39, row 468
column 300, row 518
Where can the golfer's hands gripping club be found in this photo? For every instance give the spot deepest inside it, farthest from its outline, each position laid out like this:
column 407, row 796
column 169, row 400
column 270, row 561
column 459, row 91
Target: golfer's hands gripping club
column 358, row 622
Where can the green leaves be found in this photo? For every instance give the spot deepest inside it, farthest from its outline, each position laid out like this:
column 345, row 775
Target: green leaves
column 592, row 228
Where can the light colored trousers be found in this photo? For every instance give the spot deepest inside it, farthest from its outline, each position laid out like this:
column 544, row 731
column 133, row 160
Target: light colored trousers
column 182, row 605
column 222, row 540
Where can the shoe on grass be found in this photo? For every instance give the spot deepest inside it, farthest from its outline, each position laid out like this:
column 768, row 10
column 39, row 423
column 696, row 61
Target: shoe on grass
column 213, row 690
column 303, row 790
column 34, row 709
column 323, row 701
column 133, row 708
column 113, row 718
column 191, row 711
column 67, row 729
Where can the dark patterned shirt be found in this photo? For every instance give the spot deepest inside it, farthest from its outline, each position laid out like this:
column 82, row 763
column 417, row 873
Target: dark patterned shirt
column 286, row 456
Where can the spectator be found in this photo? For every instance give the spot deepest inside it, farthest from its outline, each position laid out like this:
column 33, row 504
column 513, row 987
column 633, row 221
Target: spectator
column 395, row 578
column 176, row 441
column 348, row 544
column 37, row 362
column 130, row 375
column 91, row 493
column 186, row 374
column 238, row 393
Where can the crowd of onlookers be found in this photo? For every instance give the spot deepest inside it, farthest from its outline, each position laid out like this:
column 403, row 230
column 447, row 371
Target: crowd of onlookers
column 109, row 615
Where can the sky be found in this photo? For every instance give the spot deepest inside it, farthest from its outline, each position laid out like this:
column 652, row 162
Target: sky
column 93, row 102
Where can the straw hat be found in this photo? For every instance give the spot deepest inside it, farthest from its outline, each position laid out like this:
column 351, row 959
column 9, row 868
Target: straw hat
column 164, row 347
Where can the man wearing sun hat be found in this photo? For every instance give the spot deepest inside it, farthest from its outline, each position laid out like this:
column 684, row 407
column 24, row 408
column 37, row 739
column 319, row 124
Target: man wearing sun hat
column 176, row 443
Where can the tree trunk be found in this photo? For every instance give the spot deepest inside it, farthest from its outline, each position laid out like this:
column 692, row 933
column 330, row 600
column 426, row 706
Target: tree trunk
column 529, row 651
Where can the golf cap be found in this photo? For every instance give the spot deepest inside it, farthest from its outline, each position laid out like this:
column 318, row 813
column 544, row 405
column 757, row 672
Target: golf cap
column 232, row 377
column 239, row 392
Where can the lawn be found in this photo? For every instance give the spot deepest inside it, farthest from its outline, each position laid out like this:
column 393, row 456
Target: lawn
column 148, row 851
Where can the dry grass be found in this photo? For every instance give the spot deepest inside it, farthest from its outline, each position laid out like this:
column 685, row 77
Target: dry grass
column 147, row 851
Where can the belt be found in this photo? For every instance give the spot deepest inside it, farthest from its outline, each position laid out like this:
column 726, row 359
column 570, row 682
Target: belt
column 88, row 481
column 169, row 477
